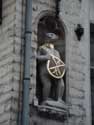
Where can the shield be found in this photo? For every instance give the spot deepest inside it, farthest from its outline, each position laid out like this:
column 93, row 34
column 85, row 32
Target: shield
column 56, row 67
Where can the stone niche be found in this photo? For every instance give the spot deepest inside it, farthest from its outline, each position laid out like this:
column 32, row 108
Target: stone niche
column 50, row 106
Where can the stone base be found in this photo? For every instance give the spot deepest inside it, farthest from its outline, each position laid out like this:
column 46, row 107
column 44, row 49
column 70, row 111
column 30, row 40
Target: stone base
column 36, row 120
column 53, row 112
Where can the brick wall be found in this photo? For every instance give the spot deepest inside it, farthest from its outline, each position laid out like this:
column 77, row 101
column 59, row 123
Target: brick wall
column 74, row 12
column 10, row 47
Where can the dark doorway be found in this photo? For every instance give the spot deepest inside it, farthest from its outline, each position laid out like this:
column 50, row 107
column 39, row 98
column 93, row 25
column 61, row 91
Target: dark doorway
column 92, row 68
column 0, row 11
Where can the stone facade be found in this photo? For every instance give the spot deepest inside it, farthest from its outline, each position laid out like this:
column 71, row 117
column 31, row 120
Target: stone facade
column 72, row 12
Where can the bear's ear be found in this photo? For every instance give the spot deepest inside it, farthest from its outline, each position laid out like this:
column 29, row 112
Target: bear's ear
column 0, row 11
column 79, row 31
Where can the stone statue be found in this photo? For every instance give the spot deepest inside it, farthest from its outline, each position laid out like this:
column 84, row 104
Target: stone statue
column 50, row 84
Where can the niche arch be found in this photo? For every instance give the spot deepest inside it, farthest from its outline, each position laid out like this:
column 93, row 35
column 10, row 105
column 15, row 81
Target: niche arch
column 50, row 24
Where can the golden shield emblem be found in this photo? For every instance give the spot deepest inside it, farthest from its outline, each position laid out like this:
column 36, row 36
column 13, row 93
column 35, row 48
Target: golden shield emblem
column 56, row 67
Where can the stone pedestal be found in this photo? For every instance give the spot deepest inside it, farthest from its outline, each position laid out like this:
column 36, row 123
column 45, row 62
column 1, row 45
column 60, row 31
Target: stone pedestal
column 50, row 112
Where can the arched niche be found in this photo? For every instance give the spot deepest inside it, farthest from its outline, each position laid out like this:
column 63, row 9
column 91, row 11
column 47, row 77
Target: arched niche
column 51, row 24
